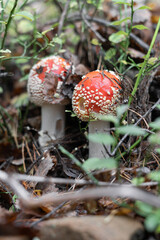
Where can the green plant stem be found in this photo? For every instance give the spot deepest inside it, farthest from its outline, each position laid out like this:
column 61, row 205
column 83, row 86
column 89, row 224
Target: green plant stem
column 2, row 16
column 20, row 57
column 34, row 34
column 133, row 146
column 6, row 126
column 8, row 23
column 23, row 5
column 141, row 72
column 128, row 38
column 78, row 163
column 2, row 11
column 132, row 12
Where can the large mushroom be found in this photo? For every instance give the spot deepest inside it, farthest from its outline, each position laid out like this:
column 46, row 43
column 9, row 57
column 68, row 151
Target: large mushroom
column 44, row 89
column 98, row 93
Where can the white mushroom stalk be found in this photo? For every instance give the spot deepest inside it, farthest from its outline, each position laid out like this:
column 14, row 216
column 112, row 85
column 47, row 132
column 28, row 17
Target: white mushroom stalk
column 44, row 89
column 52, row 123
column 99, row 92
column 97, row 150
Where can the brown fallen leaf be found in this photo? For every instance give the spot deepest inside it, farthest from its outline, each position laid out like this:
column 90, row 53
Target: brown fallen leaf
column 50, row 84
column 46, row 164
column 90, row 227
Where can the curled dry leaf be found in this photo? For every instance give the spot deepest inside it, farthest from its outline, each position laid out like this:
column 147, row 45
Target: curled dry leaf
column 52, row 89
column 46, row 164
column 50, row 84
column 73, row 80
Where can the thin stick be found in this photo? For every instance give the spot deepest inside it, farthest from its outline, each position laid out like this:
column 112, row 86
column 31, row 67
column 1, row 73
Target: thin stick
column 48, row 214
column 61, row 21
column 77, row 17
column 121, row 191
column 126, row 135
column 102, row 39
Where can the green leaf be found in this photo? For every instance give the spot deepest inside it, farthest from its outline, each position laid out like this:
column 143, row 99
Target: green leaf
column 151, row 222
column 118, row 37
column 96, row 163
column 121, row 2
column 121, row 109
column 152, row 60
column 154, row 138
column 2, row 22
column 154, row 175
column 138, row 180
column 101, row 138
column 155, row 124
column 108, row 118
column 57, row 40
column 144, row 208
column 158, row 106
column 157, row 150
column 120, row 21
column 131, row 130
column 1, row 90
column 158, row 229
column 21, row 100
column 4, row 51
column 95, row 42
column 24, row 78
column 25, row 14
column 144, row 7
column 47, row 30
column 124, row 62
column 25, row 26
column 140, row 27
column 110, row 54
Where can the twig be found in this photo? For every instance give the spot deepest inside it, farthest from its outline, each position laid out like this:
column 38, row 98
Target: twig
column 78, row 163
column 29, row 178
column 33, row 163
column 6, row 162
column 126, row 135
column 112, row 190
column 102, row 39
column 15, row 185
column 121, row 191
column 48, row 214
column 80, row 182
column 77, row 17
column 58, row 5
column 140, row 116
column 63, row 15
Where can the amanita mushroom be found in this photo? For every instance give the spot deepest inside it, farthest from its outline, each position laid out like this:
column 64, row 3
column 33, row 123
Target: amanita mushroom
column 98, row 93
column 44, row 88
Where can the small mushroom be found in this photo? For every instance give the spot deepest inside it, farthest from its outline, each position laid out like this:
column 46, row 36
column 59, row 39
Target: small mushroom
column 44, row 89
column 98, row 93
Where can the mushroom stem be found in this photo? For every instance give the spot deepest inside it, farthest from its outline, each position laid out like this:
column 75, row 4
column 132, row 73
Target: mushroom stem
column 97, row 150
column 52, row 122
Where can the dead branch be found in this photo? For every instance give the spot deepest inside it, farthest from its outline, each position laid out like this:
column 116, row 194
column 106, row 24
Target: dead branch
column 63, row 15
column 139, row 120
column 77, row 17
column 112, row 190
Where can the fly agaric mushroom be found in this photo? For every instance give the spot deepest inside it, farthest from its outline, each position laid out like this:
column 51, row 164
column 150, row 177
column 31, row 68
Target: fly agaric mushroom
column 98, row 93
column 44, row 88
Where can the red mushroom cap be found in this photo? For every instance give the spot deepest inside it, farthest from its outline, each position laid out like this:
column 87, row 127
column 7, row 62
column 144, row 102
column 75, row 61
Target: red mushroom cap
column 46, row 78
column 99, row 92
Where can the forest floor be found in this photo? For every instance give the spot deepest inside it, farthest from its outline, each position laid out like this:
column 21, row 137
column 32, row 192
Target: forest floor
column 56, row 191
